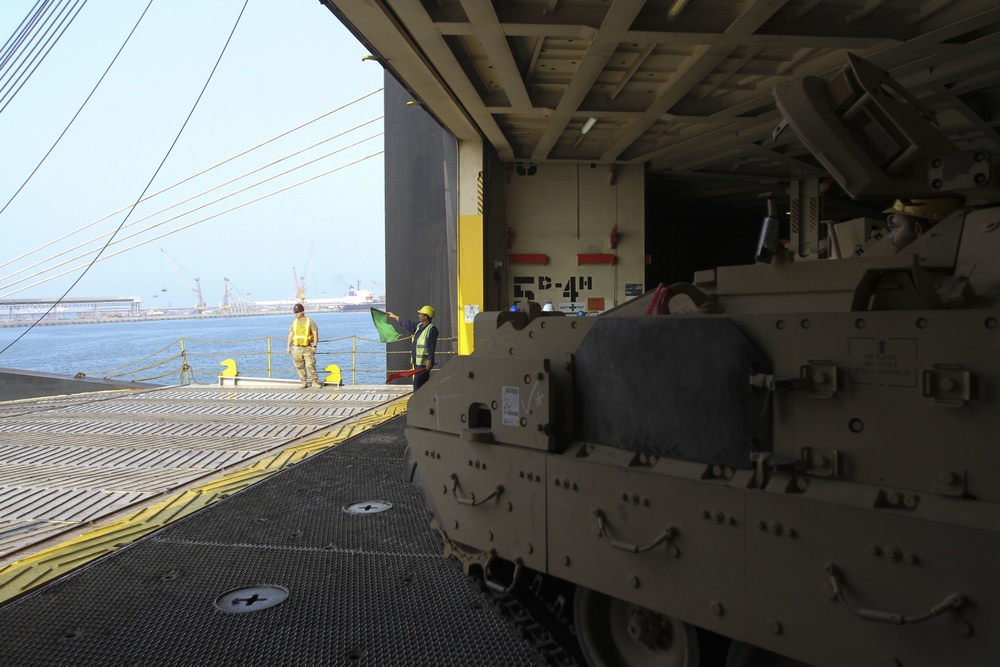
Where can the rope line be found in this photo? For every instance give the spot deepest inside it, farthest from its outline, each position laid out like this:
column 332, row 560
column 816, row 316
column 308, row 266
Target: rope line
column 148, row 356
column 187, row 358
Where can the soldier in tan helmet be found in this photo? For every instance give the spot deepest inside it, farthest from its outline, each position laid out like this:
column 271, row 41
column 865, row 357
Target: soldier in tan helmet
column 910, row 218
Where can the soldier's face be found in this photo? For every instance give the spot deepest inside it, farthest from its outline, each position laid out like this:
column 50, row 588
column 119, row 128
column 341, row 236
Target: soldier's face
column 904, row 230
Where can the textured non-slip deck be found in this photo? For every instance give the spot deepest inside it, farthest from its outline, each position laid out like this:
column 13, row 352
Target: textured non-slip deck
column 363, row 589
column 69, row 461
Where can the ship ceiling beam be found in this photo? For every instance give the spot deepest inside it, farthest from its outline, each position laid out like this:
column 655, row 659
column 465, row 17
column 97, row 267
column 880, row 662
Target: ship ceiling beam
column 692, row 93
column 381, row 32
column 487, row 28
column 976, row 123
column 700, row 149
column 867, row 8
column 405, row 41
column 939, row 66
column 523, row 20
column 947, row 65
column 799, row 39
column 692, row 71
column 937, row 62
column 536, row 51
column 807, row 6
column 443, row 61
column 566, row 31
column 632, row 69
column 730, row 69
column 616, row 23
column 795, row 166
column 928, row 9
column 412, row 15
column 943, row 65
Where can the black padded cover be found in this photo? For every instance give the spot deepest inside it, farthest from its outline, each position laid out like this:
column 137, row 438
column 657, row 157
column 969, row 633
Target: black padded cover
column 672, row 386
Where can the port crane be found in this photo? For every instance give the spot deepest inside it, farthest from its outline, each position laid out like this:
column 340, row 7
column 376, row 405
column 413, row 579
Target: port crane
column 183, row 274
column 299, row 287
column 300, row 283
column 233, row 298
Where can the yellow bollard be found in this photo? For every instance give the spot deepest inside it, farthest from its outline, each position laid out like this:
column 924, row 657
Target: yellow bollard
column 230, row 366
column 334, row 377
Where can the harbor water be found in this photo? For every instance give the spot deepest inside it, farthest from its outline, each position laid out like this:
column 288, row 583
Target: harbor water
column 178, row 351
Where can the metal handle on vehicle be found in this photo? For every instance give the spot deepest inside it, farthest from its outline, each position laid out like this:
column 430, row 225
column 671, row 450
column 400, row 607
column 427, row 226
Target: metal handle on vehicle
column 500, row 588
column 471, row 500
column 952, row 602
column 602, row 530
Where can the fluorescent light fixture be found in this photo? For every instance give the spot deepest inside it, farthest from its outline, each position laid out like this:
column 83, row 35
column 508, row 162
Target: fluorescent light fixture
column 589, row 125
column 676, row 9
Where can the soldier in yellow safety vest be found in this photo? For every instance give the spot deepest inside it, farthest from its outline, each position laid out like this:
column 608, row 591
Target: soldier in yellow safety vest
column 425, row 336
column 303, row 337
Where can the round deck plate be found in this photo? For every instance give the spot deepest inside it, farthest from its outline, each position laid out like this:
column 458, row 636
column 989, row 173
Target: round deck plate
column 368, row 507
column 251, row 598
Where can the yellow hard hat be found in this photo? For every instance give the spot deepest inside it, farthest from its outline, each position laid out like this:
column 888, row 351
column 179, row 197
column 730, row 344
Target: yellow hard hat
column 428, row 311
column 934, row 210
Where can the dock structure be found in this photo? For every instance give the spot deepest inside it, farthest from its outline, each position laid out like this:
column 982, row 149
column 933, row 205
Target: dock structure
column 330, row 561
column 117, row 306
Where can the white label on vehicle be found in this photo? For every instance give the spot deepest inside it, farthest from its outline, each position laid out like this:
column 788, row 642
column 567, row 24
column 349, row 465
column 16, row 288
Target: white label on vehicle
column 511, row 406
column 890, row 362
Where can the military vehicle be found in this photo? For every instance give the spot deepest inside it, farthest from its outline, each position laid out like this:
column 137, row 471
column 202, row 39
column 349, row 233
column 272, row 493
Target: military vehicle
column 796, row 458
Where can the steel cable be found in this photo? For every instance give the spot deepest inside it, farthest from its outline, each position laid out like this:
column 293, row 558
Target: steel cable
column 202, row 172
column 150, row 183
column 162, row 222
column 174, row 231
column 40, row 57
column 13, row 43
column 78, row 111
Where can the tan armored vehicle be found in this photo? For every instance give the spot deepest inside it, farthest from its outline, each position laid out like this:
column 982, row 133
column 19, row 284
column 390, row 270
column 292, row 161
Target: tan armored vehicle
column 799, row 458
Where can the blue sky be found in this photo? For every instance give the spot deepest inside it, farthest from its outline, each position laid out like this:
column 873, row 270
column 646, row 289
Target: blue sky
column 289, row 62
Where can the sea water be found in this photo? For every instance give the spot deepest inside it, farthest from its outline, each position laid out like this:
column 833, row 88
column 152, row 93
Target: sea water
column 174, row 351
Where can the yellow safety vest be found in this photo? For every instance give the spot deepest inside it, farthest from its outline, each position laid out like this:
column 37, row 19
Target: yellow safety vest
column 301, row 331
column 421, row 356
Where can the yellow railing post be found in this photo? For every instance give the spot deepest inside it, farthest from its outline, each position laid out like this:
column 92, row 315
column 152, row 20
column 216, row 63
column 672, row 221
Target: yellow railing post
column 188, row 373
column 268, row 357
column 185, row 369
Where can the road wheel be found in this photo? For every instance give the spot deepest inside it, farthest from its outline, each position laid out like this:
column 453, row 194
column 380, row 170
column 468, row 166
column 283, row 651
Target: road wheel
column 614, row 633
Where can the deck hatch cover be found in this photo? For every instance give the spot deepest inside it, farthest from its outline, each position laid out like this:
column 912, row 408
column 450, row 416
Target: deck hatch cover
column 368, row 507
column 251, row 598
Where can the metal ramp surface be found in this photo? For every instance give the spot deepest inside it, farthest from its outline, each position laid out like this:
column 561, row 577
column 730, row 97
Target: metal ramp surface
column 67, row 462
column 363, row 587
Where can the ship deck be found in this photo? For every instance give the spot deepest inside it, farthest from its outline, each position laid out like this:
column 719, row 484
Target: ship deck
column 310, row 526
column 70, row 464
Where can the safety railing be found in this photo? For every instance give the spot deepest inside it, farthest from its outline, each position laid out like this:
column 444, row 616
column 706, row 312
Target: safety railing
column 198, row 361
